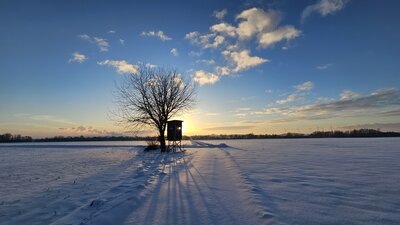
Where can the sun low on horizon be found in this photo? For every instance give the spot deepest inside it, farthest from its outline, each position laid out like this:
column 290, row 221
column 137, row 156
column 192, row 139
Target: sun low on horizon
column 262, row 67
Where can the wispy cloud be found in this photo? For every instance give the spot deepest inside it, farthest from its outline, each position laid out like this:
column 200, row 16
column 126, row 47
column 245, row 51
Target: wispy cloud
column 194, row 53
column 206, row 61
column 78, row 57
column 300, row 92
column 291, row 98
column 100, row 42
column 360, row 105
column 44, row 118
column 121, row 66
column 395, row 112
column 122, row 41
column 230, row 128
column 284, row 33
column 324, row 66
column 174, row 52
column 220, row 14
column 205, row 41
column 324, row 8
column 149, row 65
column 304, row 86
column 347, row 94
column 212, row 114
column 85, row 37
column 90, row 130
column 247, row 98
column 160, row 34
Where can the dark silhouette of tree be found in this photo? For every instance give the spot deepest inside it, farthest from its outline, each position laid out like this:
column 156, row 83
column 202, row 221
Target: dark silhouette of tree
column 151, row 97
column 7, row 137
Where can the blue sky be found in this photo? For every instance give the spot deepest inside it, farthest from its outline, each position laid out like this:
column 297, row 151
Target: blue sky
column 261, row 66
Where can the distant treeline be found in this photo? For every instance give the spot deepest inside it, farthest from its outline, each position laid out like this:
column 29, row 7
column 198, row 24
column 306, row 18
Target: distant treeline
column 316, row 134
column 14, row 138
column 18, row 138
column 100, row 138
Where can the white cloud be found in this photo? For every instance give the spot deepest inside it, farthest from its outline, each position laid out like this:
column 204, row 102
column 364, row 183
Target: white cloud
column 174, row 52
column 224, row 28
column 84, row 37
column 304, row 86
column 192, row 35
column 324, row 67
column 230, row 39
column 121, row 66
column 324, row 8
column 111, row 32
column 291, row 98
column 151, row 66
column 242, row 60
column 100, row 42
column 203, row 77
column 204, row 40
column 255, row 21
column 283, row 33
column 160, row 34
column 220, row 14
column 298, row 94
column 122, row 41
column 218, row 40
column 78, row 57
column 347, row 95
column 268, row 111
column 222, row 70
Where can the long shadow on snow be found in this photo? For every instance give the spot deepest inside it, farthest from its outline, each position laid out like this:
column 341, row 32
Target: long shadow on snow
column 71, row 201
column 179, row 211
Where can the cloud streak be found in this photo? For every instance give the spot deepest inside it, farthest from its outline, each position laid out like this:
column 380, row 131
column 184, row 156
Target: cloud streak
column 360, row 105
column 306, row 86
column 174, row 52
column 78, row 57
column 121, row 66
column 159, row 34
column 220, row 14
column 324, row 8
column 101, row 43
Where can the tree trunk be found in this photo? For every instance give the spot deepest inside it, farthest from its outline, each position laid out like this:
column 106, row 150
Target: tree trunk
column 162, row 141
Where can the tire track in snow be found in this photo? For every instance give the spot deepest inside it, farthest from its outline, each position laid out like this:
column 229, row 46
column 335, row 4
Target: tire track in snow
column 112, row 205
column 264, row 210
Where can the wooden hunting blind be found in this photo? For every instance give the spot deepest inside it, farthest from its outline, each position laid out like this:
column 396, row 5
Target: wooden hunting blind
column 174, row 135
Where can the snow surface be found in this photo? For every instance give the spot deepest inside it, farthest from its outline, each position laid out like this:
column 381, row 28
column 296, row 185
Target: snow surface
column 296, row 181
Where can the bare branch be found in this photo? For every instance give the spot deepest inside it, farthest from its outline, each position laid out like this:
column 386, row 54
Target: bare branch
column 151, row 97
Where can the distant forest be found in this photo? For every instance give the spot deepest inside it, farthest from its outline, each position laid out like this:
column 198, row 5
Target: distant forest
column 316, row 134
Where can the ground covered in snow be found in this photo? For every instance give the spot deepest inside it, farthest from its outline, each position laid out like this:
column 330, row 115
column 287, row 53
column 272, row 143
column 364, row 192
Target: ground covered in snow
column 297, row 181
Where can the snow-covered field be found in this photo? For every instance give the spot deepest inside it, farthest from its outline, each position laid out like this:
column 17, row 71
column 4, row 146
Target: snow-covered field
column 299, row 181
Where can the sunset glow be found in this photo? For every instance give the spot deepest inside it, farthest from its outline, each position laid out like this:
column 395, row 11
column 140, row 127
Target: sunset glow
column 260, row 67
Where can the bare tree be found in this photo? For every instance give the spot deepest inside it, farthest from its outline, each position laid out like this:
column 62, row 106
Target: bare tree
column 151, row 97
